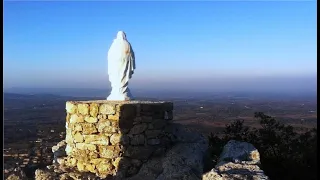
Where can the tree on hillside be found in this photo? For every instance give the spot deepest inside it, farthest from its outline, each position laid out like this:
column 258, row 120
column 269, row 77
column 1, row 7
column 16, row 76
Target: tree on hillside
column 285, row 154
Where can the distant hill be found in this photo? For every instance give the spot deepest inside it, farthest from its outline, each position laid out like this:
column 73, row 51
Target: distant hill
column 158, row 94
column 27, row 96
column 72, row 92
column 101, row 93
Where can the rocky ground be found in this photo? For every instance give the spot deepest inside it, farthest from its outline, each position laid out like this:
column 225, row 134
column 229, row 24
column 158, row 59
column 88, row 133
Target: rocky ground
column 184, row 161
column 238, row 160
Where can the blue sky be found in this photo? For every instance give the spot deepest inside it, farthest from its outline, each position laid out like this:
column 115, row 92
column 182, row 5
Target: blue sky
column 65, row 44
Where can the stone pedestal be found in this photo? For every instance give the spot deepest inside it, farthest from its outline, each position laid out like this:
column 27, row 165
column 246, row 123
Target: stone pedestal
column 115, row 137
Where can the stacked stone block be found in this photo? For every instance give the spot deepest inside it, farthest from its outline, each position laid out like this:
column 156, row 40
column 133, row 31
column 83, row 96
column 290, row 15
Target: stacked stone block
column 115, row 137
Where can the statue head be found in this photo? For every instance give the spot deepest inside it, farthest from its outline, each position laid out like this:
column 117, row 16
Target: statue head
column 121, row 35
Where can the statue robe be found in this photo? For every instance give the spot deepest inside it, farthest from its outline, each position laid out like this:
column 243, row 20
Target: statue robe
column 121, row 66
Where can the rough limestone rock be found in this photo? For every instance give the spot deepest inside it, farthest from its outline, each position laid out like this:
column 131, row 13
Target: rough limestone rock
column 59, row 151
column 17, row 174
column 134, row 140
column 236, row 151
column 183, row 161
column 60, row 172
column 241, row 171
column 238, row 161
column 212, row 175
column 44, row 174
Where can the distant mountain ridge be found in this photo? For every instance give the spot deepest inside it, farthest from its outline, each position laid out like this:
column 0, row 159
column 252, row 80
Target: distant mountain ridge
column 8, row 96
column 158, row 94
column 72, row 92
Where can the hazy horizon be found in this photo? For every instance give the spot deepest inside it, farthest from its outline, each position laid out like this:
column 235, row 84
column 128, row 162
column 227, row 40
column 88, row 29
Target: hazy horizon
column 306, row 84
column 200, row 46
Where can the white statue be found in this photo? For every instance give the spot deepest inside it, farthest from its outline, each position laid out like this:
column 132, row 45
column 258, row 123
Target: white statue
column 121, row 65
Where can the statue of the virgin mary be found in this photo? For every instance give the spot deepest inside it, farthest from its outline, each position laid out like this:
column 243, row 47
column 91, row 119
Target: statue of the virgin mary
column 121, row 66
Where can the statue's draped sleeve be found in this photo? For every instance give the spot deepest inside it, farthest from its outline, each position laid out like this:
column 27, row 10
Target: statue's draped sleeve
column 132, row 60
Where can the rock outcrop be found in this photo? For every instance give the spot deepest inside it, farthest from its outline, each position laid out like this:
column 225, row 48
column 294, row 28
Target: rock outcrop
column 59, row 151
column 238, row 160
column 182, row 161
column 137, row 140
column 15, row 174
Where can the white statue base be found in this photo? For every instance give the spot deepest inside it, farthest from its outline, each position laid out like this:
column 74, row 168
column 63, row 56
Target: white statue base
column 118, row 96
